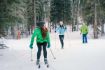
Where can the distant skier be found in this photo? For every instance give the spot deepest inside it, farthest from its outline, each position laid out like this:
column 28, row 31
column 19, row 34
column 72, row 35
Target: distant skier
column 84, row 32
column 42, row 40
column 18, row 34
column 61, row 30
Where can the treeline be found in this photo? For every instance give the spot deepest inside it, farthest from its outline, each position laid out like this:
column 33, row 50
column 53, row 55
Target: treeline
column 21, row 15
column 90, row 11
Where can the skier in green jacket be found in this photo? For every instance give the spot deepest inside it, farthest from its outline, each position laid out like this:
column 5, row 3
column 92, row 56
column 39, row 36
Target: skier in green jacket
column 84, row 31
column 42, row 40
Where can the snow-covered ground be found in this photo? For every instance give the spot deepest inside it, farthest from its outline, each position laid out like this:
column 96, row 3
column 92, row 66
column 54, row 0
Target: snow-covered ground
column 74, row 56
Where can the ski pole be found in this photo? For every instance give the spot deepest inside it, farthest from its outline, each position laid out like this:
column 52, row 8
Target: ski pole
column 31, row 55
column 52, row 54
column 55, row 40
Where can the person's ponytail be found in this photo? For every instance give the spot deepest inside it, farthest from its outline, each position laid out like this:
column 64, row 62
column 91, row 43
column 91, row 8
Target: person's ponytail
column 44, row 31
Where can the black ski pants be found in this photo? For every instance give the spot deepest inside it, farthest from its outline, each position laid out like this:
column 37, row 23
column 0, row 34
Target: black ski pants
column 61, row 37
column 40, row 47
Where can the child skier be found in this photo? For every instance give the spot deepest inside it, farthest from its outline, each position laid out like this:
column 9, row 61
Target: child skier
column 61, row 30
column 84, row 32
column 42, row 40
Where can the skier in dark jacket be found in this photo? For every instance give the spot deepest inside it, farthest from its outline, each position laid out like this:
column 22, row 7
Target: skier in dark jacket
column 42, row 40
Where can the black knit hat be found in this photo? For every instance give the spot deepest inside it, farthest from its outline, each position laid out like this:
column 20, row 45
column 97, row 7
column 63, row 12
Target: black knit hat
column 40, row 24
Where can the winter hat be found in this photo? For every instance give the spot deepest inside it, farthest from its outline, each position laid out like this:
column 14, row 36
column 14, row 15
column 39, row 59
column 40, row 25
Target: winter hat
column 40, row 23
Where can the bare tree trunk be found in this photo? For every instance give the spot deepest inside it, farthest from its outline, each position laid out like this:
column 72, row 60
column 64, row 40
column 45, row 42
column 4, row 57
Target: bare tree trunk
column 102, row 28
column 95, row 23
column 78, row 14
column 34, row 11
column 13, row 32
column 73, row 5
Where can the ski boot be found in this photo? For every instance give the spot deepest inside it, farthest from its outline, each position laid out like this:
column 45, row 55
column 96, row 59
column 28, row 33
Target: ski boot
column 62, row 47
column 45, row 61
column 37, row 62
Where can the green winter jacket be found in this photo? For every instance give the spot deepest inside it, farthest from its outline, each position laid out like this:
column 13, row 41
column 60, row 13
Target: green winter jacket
column 39, row 38
column 84, row 29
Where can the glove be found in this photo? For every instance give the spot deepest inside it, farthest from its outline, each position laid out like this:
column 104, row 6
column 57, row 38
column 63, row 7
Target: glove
column 55, row 31
column 31, row 46
column 86, row 33
column 48, row 46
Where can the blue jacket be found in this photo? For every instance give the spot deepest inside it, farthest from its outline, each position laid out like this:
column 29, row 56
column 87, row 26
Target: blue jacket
column 61, row 30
